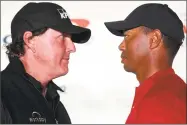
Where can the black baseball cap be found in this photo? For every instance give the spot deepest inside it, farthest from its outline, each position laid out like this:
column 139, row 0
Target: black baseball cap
column 34, row 16
column 151, row 15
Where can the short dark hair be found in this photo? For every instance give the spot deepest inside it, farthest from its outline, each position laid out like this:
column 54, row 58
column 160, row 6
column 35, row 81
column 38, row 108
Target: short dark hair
column 16, row 48
column 169, row 43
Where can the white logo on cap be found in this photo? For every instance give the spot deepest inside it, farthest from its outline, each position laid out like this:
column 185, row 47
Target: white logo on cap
column 63, row 13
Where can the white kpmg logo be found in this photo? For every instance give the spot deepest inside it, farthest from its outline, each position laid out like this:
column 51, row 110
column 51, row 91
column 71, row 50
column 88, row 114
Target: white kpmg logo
column 36, row 118
column 63, row 13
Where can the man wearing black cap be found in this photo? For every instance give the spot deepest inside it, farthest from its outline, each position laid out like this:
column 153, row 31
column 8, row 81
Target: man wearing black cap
column 42, row 40
column 153, row 34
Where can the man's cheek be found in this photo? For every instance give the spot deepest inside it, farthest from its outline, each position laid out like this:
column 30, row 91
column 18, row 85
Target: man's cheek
column 142, row 46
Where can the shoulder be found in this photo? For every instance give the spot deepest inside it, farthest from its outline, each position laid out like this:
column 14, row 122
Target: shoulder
column 5, row 78
column 7, row 73
column 168, row 93
column 9, row 80
column 171, row 86
column 165, row 102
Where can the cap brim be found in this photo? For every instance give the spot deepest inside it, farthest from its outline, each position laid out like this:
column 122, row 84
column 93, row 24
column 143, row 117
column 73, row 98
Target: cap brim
column 78, row 34
column 118, row 27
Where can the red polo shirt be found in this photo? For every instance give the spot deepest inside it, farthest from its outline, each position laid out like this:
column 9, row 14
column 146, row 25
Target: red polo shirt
column 160, row 99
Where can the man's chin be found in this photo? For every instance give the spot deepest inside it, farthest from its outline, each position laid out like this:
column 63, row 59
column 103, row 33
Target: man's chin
column 64, row 72
column 60, row 74
column 127, row 69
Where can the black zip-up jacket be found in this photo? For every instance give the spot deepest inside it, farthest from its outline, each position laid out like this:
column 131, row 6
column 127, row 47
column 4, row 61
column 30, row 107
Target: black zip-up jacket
column 23, row 101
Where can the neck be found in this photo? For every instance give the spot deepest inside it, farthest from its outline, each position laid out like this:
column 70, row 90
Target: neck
column 36, row 70
column 151, row 68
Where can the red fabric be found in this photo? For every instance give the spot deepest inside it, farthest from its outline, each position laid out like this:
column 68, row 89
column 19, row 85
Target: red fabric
column 160, row 99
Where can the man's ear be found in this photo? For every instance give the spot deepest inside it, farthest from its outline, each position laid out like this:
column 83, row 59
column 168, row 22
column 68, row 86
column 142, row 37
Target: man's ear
column 27, row 38
column 155, row 39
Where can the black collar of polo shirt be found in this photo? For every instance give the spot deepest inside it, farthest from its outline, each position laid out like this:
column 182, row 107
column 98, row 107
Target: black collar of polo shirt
column 17, row 66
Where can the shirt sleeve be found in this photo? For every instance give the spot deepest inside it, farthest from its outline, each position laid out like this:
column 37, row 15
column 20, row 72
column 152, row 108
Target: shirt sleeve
column 163, row 108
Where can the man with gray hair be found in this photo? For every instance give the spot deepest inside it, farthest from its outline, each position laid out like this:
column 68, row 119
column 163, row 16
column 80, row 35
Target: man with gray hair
column 42, row 40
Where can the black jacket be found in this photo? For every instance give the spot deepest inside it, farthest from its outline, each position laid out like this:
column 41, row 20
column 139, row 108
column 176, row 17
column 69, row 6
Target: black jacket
column 23, row 101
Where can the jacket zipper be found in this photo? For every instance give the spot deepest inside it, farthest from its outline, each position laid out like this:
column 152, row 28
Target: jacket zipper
column 44, row 99
column 55, row 111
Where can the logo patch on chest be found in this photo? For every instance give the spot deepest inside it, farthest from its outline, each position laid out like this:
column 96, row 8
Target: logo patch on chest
column 36, row 118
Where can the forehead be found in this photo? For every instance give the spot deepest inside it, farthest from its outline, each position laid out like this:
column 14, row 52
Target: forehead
column 54, row 33
column 133, row 31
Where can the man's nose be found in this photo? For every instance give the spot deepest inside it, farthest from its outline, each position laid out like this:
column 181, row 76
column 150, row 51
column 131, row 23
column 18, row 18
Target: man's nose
column 70, row 46
column 122, row 46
